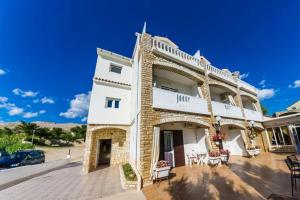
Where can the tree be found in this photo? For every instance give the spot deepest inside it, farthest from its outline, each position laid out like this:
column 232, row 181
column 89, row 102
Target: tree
column 6, row 131
column 56, row 133
column 264, row 109
column 43, row 132
column 79, row 131
column 28, row 128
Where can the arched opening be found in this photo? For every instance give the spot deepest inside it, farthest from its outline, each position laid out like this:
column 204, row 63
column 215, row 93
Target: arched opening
column 222, row 94
column 179, row 139
column 224, row 101
column 108, row 147
column 249, row 102
column 176, row 82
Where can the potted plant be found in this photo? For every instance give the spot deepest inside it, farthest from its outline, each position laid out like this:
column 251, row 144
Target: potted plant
column 162, row 169
column 257, row 150
column 251, row 151
column 224, row 155
column 214, row 157
column 218, row 137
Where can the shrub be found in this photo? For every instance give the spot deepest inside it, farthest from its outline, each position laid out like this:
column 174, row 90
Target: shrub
column 129, row 173
column 13, row 143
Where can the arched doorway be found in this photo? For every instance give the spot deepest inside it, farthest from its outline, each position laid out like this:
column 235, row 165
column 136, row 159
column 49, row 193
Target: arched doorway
column 179, row 138
column 109, row 146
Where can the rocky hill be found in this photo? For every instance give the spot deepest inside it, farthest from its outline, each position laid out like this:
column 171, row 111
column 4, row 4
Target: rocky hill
column 65, row 126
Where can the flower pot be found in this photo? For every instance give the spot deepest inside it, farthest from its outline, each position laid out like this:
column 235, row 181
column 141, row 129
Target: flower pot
column 214, row 160
column 224, row 158
column 251, row 152
column 161, row 172
column 257, row 151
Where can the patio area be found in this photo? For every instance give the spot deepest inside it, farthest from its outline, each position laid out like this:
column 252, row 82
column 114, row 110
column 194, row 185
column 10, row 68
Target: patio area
column 243, row 178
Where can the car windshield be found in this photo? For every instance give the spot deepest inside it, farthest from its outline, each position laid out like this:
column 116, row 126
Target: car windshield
column 20, row 155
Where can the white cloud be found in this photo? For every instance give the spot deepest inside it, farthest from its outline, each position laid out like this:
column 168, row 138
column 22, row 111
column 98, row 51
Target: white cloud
column 42, row 111
column 3, row 99
column 245, row 75
column 265, row 93
column 47, row 100
column 78, row 106
column 12, row 111
column 84, row 119
column 296, row 84
column 30, row 114
column 29, row 93
column 2, row 72
column 44, row 100
column 262, row 83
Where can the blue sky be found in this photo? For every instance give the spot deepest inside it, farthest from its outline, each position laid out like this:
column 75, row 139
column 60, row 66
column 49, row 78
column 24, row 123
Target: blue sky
column 48, row 48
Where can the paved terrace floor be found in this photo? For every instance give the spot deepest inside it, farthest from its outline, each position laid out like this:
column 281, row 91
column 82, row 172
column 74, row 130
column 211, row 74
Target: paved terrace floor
column 244, row 178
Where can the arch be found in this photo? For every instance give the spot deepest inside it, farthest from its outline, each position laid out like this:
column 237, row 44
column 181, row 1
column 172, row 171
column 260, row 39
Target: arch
column 250, row 96
column 97, row 128
column 179, row 70
column 182, row 119
column 233, row 124
column 222, row 85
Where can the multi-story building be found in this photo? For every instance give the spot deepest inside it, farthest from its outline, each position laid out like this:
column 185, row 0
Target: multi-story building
column 165, row 104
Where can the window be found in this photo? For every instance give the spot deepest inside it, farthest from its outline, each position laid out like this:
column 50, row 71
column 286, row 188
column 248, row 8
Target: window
column 112, row 102
column 116, row 69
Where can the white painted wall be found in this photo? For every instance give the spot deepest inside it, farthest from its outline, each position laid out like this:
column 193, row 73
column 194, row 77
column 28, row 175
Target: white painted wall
column 103, row 70
column 99, row 114
column 234, row 141
column 193, row 138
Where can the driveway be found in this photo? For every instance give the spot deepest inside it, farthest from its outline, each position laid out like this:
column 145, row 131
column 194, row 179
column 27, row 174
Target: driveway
column 243, row 178
column 67, row 183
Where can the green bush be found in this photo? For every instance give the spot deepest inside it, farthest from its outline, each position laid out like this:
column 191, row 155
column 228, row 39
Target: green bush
column 129, row 173
column 13, row 143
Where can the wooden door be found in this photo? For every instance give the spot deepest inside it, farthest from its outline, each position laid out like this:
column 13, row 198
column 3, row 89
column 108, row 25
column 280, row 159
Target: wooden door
column 178, row 148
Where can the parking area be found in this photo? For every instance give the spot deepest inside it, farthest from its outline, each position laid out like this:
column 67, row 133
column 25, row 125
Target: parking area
column 67, row 183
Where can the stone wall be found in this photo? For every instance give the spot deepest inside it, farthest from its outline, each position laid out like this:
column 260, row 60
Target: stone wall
column 119, row 150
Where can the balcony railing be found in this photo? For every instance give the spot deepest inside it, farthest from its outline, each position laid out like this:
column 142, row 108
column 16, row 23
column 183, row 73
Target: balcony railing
column 220, row 73
column 186, row 59
column 253, row 115
column 226, row 110
column 247, row 86
column 168, row 100
column 177, row 54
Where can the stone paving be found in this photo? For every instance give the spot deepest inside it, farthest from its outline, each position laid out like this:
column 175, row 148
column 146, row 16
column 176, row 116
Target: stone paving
column 67, row 183
column 243, row 178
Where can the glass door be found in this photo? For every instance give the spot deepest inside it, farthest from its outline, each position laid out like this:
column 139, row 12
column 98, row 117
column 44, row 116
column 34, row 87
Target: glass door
column 168, row 147
column 296, row 132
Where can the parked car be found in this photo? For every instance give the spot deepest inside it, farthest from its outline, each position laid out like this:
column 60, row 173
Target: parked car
column 22, row 158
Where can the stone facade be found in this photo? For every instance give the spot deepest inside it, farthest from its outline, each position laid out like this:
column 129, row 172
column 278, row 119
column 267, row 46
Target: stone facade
column 151, row 117
column 119, row 150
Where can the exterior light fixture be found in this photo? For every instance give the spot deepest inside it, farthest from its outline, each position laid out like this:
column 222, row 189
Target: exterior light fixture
column 252, row 133
column 217, row 125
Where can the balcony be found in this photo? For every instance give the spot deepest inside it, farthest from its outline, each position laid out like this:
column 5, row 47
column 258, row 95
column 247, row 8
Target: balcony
column 247, row 86
column 224, row 75
column 176, row 54
column 168, row 100
column 253, row 115
column 226, row 110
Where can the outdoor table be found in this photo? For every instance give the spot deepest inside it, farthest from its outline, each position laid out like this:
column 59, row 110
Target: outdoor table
column 201, row 158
